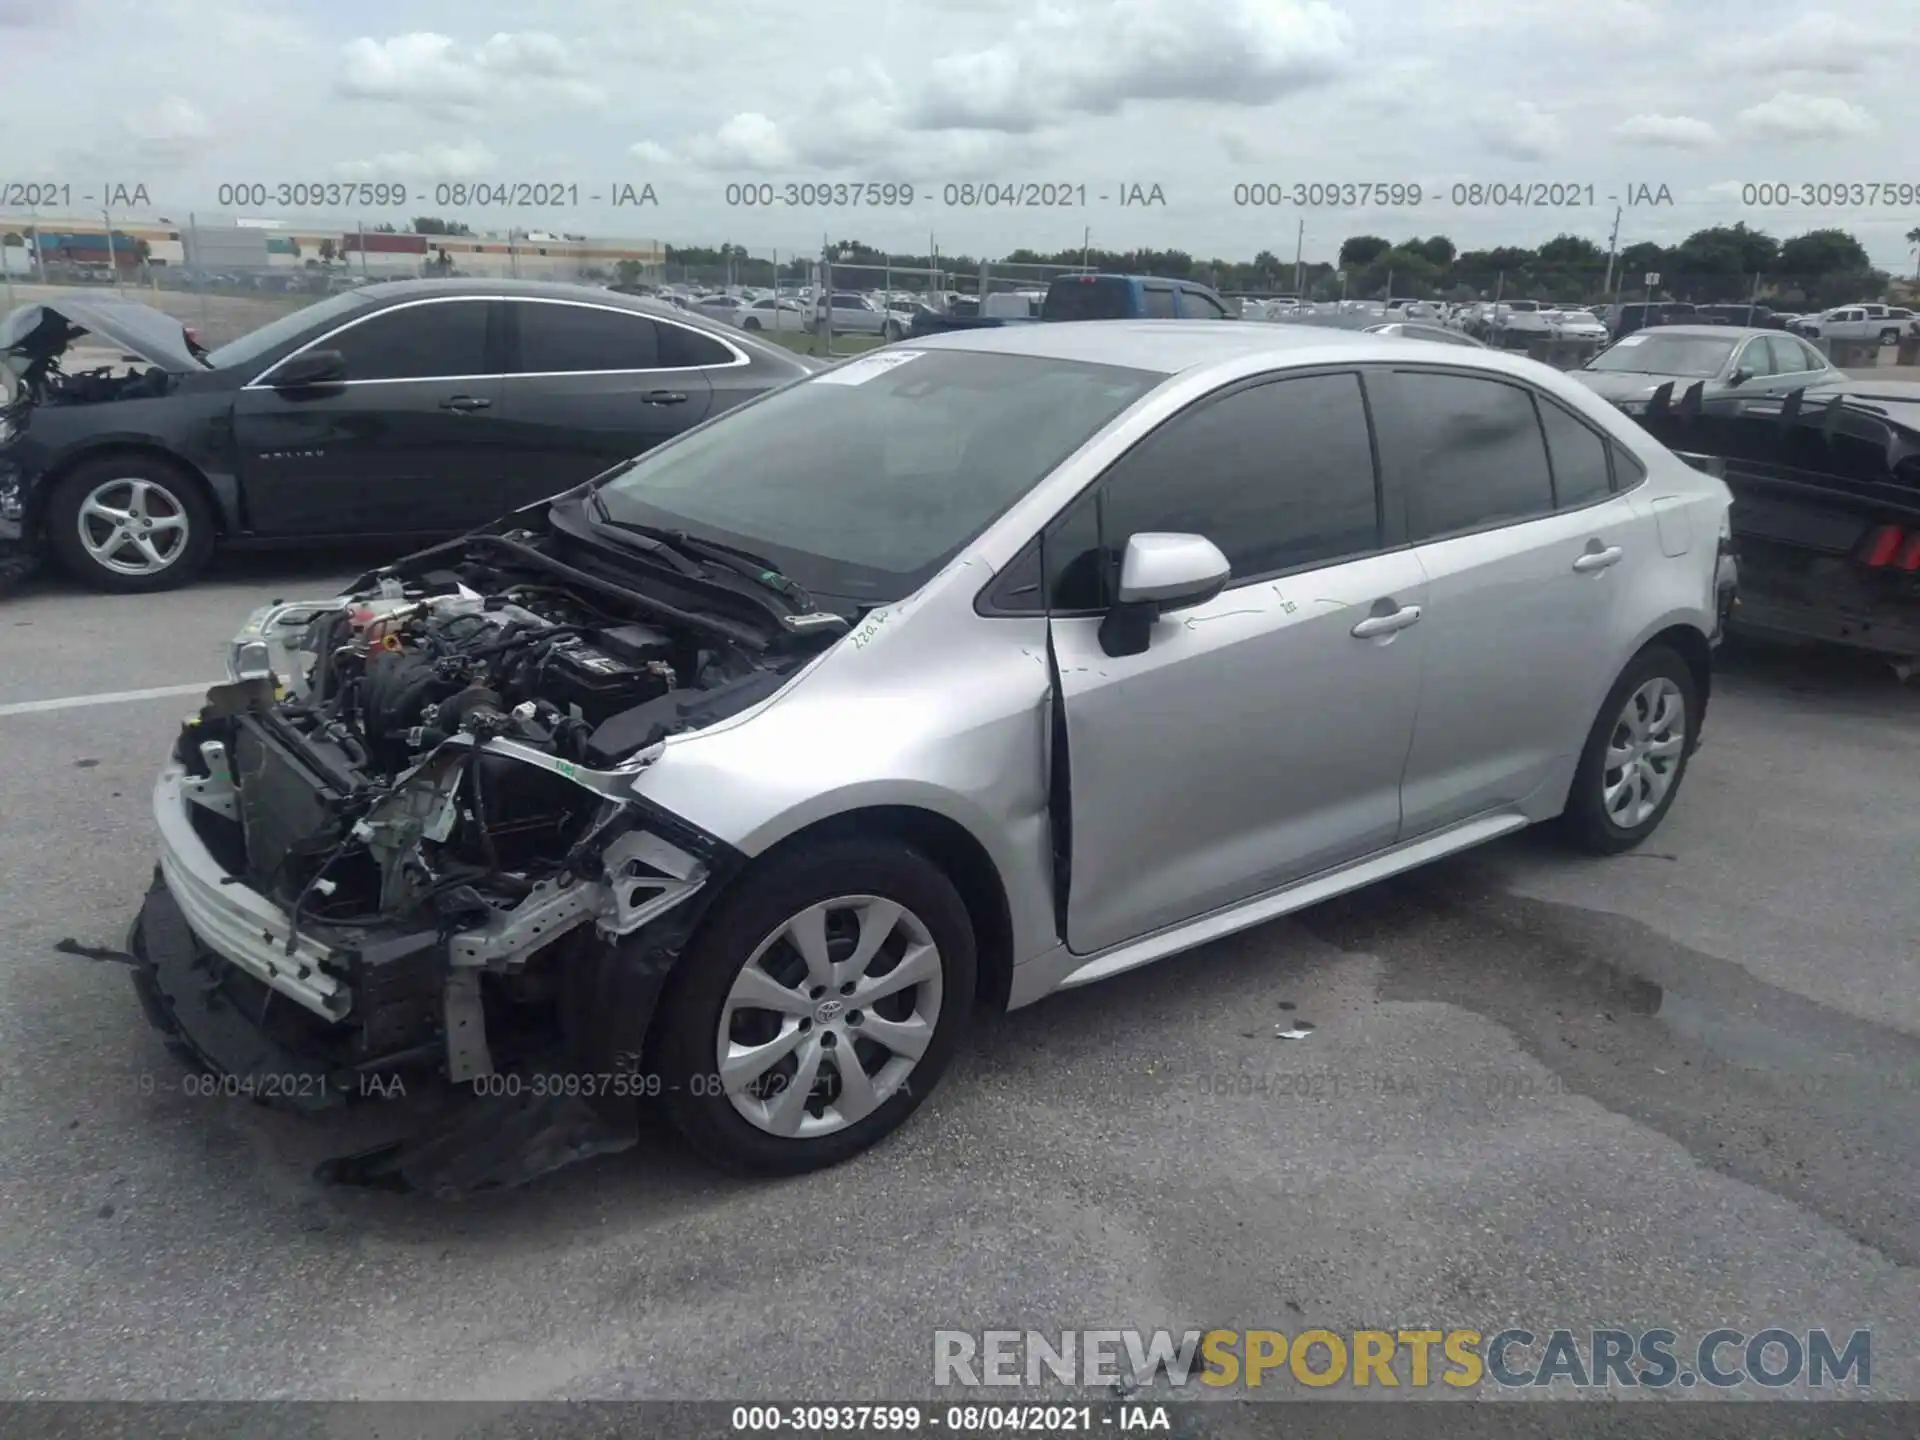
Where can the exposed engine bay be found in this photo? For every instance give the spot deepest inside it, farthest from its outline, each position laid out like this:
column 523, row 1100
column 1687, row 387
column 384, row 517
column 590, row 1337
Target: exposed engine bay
column 424, row 792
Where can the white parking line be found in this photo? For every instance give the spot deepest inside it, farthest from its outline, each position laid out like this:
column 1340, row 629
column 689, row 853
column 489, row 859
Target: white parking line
column 110, row 697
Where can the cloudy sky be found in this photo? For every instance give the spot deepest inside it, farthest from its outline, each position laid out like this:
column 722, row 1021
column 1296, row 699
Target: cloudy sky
column 1194, row 96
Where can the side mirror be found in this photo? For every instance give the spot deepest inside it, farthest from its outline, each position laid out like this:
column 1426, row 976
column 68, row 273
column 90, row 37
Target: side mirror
column 311, row 367
column 1739, row 377
column 1160, row 573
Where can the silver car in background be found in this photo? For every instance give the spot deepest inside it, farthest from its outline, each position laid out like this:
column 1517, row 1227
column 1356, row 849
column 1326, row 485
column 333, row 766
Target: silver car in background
column 1150, row 632
column 1722, row 358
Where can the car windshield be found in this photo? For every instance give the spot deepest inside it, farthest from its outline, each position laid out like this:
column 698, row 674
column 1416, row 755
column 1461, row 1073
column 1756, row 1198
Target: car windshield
column 1522, row 306
column 1653, row 354
column 269, row 337
column 861, row 482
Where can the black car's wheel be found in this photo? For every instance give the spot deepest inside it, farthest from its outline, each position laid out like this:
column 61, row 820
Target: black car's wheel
column 1636, row 755
column 130, row 523
column 817, row 1008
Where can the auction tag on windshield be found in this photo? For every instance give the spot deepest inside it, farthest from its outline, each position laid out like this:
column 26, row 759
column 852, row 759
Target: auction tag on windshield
column 1630, row 340
column 858, row 372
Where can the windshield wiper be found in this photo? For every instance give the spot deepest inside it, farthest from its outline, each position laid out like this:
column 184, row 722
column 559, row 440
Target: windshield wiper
column 686, row 550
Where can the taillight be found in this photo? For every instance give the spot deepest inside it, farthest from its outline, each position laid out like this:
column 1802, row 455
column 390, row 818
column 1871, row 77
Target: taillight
column 1910, row 553
column 1883, row 546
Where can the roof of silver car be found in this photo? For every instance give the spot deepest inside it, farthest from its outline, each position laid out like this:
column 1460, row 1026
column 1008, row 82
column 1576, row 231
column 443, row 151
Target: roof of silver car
column 1167, row 346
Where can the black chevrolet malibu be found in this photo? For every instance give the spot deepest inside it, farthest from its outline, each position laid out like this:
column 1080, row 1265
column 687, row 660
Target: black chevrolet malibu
column 407, row 410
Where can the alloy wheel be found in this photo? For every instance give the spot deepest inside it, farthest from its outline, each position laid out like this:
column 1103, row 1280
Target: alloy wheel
column 829, row 1016
column 133, row 526
column 1644, row 751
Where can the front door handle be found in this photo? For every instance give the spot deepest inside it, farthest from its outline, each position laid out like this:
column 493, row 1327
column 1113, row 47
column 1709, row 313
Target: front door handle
column 465, row 404
column 1598, row 559
column 663, row 397
column 1375, row 625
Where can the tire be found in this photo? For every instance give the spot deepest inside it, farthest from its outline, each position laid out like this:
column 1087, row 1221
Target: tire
column 751, row 324
column 1589, row 821
column 1890, row 336
column 748, row 931
column 893, row 333
column 172, row 502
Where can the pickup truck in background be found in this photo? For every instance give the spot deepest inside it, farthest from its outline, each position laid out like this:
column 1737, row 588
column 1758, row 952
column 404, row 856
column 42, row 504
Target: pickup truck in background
column 1857, row 322
column 1092, row 297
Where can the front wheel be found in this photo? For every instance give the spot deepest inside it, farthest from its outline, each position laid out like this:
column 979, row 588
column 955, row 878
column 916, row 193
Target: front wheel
column 751, row 323
column 1636, row 755
column 130, row 523
column 818, row 1007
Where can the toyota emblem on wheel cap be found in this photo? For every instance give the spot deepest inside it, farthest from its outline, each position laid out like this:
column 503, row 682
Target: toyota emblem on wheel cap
column 829, row 1010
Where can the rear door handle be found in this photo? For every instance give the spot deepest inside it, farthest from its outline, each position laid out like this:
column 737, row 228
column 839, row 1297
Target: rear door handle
column 1598, row 559
column 663, row 397
column 1387, row 624
column 465, row 404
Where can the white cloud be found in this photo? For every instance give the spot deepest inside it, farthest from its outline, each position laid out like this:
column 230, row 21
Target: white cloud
column 1614, row 24
column 1521, row 132
column 429, row 162
column 1092, row 60
column 1671, row 132
column 437, row 74
column 1789, row 116
column 167, row 133
column 652, row 152
column 1814, row 43
column 749, row 141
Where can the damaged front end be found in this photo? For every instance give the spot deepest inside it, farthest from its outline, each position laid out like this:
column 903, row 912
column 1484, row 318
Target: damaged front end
column 404, row 842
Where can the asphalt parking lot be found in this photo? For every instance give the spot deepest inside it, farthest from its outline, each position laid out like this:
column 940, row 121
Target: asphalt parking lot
column 1676, row 1088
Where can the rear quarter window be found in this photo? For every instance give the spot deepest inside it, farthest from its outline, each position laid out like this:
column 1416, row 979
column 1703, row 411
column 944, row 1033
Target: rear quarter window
column 1096, row 299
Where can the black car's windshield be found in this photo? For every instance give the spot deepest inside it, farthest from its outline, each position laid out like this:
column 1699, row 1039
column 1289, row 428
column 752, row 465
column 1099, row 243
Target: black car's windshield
column 864, row 480
column 1653, row 354
column 255, row 343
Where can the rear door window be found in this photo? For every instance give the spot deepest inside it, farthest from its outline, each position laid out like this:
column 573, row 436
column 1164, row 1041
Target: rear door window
column 1157, row 303
column 1102, row 297
column 1200, row 305
column 1470, row 452
column 574, row 339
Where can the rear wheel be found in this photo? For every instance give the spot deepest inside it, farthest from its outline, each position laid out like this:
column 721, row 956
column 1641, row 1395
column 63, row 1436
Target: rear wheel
column 130, row 523
column 1636, row 755
column 818, row 1007
column 752, row 323
column 1890, row 335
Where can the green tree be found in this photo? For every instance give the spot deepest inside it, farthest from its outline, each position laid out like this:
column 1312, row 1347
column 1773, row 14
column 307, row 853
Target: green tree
column 434, row 225
column 328, row 251
column 1821, row 252
column 1438, row 250
column 1913, row 239
column 1357, row 252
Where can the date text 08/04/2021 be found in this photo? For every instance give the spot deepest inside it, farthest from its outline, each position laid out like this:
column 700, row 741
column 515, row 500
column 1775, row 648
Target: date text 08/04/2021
column 963, row 1419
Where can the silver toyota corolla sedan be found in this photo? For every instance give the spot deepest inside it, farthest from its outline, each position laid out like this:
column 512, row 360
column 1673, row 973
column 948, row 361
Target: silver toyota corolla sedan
column 960, row 673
